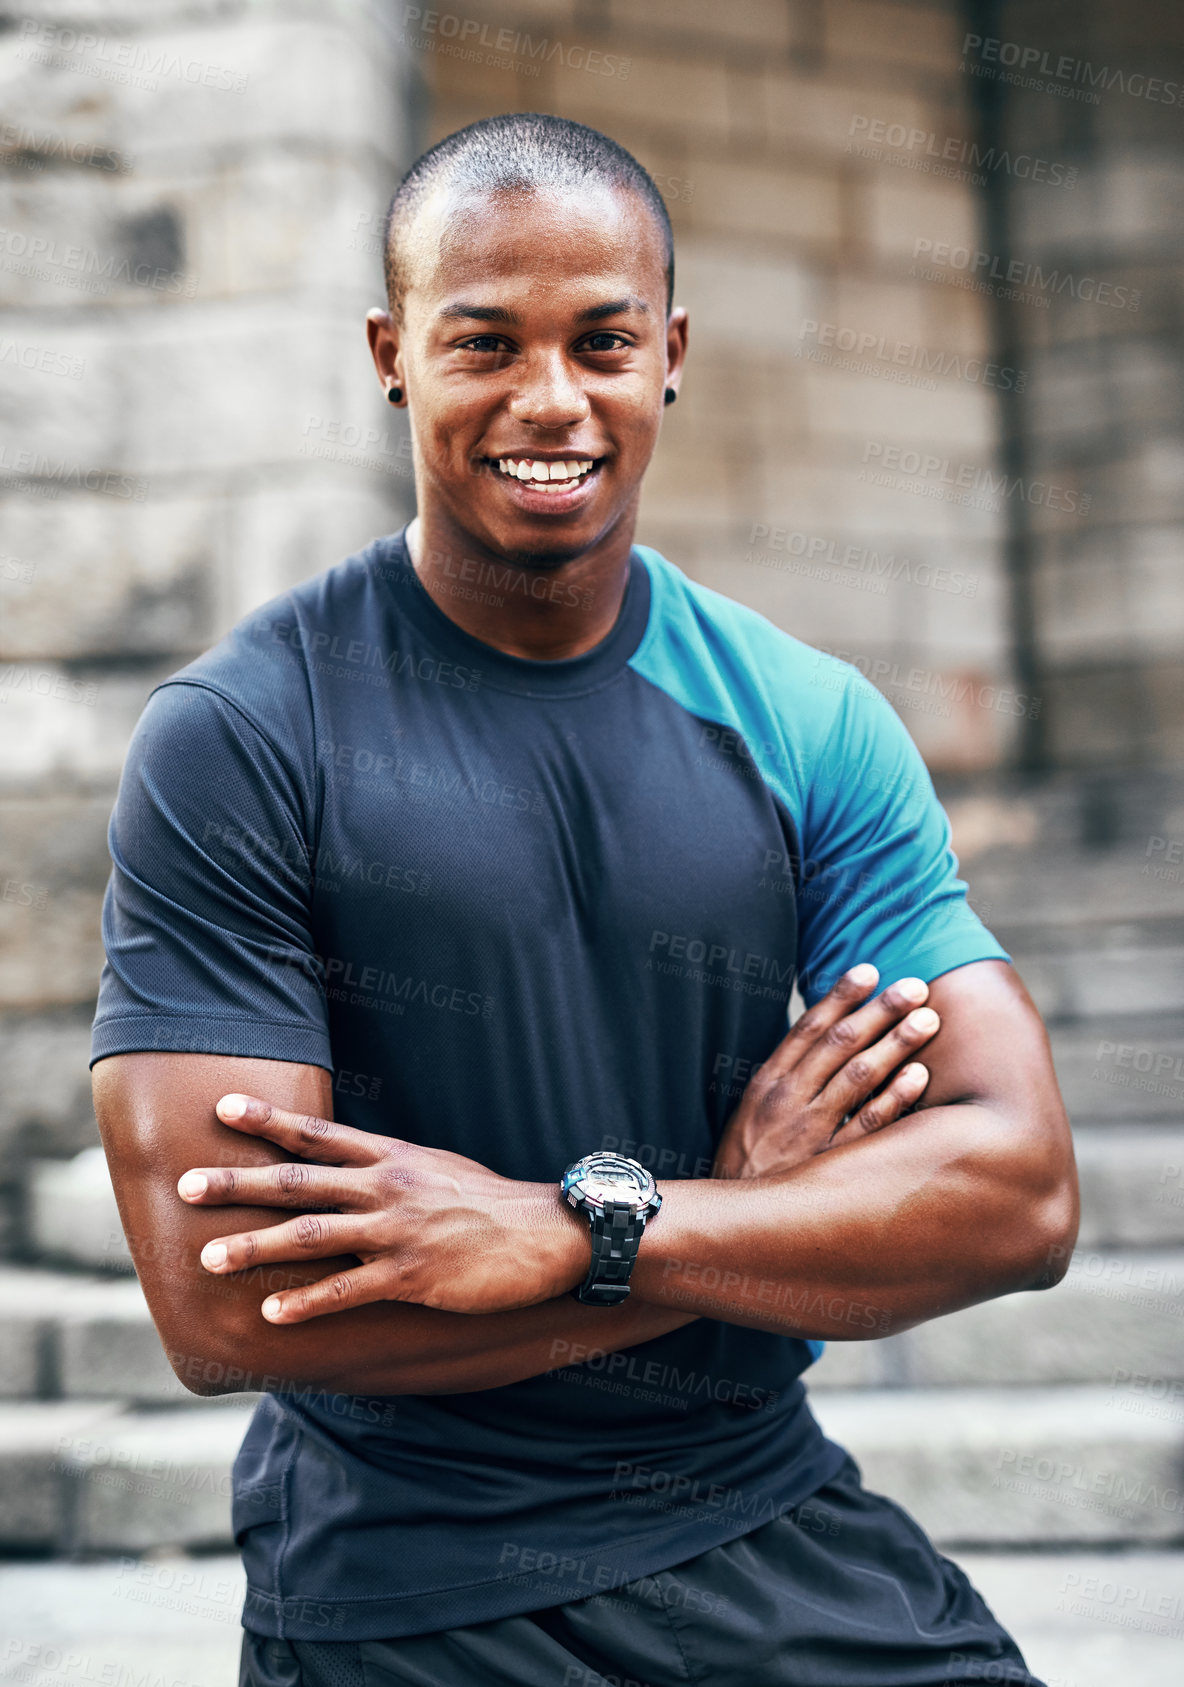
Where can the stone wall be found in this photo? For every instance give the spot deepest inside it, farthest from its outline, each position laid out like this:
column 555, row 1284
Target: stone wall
column 190, row 420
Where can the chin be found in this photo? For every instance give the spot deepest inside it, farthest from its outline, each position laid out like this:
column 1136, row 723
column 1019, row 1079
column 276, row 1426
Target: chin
column 545, row 556
column 530, row 547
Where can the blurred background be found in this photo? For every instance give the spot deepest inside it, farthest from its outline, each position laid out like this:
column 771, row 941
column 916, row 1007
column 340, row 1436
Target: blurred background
column 933, row 422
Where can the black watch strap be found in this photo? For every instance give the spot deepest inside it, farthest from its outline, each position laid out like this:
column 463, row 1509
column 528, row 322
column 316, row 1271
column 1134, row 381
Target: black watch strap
column 616, row 1234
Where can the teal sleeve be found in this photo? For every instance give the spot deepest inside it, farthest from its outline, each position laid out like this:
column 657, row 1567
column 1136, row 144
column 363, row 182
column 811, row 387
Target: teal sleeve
column 878, row 879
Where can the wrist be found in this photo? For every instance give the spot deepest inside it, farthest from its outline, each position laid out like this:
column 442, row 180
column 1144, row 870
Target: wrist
column 561, row 1235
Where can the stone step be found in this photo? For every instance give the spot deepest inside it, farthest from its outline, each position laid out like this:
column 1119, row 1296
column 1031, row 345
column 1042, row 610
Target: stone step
column 67, row 1334
column 1016, row 1467
column 34, row 1489
column 1087, row 1619
column 1088, row 809
column 87, row 1476
column 1117, row 1317
column 975, row 1466
column 1088, row 981
column 1065, row 895
column 1097, row 930
column 169, row 1620
column 144, row 1479
column 1113, row 1071
column 72, row 1213
column 1081, row 1618
column 1132, row 1180
column 1132, row 1185
column 1056, row 854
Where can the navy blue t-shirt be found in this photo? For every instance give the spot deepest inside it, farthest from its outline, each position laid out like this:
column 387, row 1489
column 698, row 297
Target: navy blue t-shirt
column 521, row 910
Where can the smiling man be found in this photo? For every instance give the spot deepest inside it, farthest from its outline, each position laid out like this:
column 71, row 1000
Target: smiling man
column 442, row 1057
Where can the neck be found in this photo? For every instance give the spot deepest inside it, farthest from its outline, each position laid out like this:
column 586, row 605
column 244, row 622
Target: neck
column 542, row 613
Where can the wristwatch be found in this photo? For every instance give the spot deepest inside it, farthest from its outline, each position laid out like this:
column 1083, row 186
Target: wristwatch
column 618, row 1195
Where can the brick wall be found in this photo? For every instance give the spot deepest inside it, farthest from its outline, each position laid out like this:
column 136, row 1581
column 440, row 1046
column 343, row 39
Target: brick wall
column 784, row 138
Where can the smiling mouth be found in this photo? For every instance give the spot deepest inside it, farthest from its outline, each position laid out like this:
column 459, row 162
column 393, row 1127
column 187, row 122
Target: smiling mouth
column 560, row 475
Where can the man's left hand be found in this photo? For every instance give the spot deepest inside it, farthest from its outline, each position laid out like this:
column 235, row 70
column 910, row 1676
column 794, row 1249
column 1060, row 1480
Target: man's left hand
column 428, row 1226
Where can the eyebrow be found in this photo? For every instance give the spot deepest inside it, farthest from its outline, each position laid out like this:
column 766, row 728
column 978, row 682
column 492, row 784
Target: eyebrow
column 614, row 307
column 479, row 313
column 464, row 312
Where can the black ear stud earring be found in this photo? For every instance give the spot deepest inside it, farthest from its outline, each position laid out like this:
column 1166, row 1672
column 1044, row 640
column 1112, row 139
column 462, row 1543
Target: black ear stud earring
column 670, row 395
column 394, row 395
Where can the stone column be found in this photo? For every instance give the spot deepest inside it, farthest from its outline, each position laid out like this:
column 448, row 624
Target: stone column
column 1087, row 285
column 193, row 195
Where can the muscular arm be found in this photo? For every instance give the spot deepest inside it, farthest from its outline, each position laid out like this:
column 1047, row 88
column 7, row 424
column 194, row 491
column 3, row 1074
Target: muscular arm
column 973, row 1195
column 156, row 1117
column 810, row 1228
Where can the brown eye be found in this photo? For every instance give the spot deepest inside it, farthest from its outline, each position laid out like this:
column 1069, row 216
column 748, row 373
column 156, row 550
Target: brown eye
column 490, row 350
column 605, row 342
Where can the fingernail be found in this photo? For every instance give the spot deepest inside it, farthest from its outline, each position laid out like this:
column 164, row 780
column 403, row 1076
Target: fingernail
column 916, row 1073
column 924, row 1019
column 271, row 1307
column 864, row 973
column 214, row 1255
column 192, row 1185
column 910, row 989
column 232, row 1107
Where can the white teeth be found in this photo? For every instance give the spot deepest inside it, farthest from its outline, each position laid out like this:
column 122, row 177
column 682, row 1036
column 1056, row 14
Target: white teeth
column 534, row 469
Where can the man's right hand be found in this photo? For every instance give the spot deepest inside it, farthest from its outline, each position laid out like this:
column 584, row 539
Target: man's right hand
column 157, row 1116
column 843, row 1068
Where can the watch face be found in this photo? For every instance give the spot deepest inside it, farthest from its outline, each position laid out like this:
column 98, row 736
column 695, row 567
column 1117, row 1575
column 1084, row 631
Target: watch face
column 598, row 1178
column 609, row 1185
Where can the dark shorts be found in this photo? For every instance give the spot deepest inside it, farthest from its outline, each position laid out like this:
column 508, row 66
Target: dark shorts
column 845, row 1591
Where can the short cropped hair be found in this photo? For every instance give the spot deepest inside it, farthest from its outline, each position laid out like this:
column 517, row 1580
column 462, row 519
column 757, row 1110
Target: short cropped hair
column 521, row 150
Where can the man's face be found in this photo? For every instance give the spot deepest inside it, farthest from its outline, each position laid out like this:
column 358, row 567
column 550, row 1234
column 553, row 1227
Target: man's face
column 535, row 341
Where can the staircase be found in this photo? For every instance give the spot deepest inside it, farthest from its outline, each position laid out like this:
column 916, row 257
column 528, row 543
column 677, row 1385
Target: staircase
column 1040, row 1421
column 1058, row 1417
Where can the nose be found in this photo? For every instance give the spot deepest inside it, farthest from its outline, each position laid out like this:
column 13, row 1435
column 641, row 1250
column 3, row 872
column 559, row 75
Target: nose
column 548, row 394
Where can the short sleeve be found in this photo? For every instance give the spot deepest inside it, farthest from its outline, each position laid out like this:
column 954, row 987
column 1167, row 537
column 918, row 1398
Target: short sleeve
column 206, row 918
column 878, row 880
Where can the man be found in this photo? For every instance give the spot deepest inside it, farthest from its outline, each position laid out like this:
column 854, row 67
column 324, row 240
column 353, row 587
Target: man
column 503, row 842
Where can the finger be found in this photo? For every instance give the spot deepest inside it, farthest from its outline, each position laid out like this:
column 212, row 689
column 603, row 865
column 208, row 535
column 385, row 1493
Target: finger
column 905, row 1090
column 290, row 1184
column 868, row 1069
column 852, row 988
column 300, row 1133
column 859, row 1030
column 336, row 1293
column 311, row 1236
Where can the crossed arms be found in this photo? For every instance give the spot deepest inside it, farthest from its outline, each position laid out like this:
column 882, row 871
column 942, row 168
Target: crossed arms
column 842, row 1206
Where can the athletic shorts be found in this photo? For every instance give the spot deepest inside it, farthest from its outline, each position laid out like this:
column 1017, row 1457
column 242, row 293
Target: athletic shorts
column 844, row 1591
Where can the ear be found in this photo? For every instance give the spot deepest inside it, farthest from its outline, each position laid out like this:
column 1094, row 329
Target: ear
column 676, row 346
column 383, row 336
